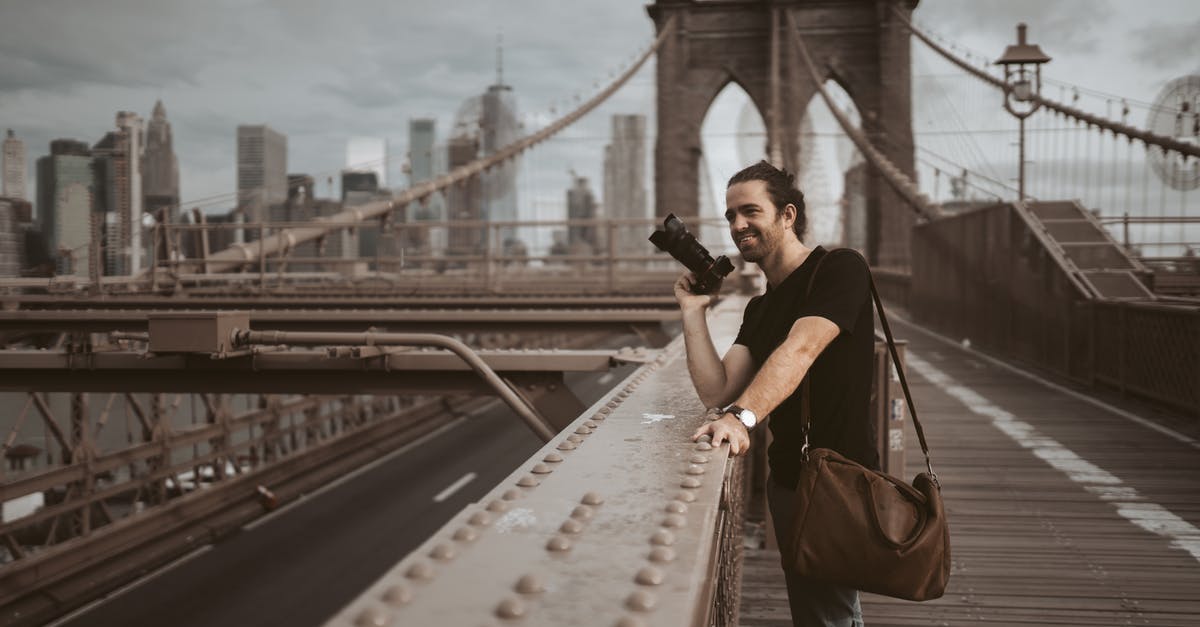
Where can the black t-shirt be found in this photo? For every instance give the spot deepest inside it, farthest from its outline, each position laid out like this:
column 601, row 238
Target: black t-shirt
column 841, row 376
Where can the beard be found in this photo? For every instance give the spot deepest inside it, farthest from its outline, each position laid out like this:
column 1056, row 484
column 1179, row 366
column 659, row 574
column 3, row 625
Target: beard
column 759, row 246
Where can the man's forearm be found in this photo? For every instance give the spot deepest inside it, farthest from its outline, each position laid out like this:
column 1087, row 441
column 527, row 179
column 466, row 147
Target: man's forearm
column 705, row 367
column 783, row 371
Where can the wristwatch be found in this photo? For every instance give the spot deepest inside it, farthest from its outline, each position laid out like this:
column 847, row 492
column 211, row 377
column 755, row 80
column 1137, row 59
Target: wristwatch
column 747, row 417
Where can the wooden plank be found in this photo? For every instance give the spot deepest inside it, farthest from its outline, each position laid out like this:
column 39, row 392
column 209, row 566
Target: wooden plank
column 1031, row 546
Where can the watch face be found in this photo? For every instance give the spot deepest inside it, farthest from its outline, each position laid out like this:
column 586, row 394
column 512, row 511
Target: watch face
column 747, row 417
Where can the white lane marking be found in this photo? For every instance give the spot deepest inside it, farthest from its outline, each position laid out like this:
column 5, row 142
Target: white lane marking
column 604, row 380
column 1130, row 416
column 130, row 586
column 454, row 487
column 653, row 418
column 357, row 472
column 1131, row 505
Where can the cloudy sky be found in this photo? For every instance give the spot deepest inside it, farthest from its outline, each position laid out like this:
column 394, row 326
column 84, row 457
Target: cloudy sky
column 322, row 73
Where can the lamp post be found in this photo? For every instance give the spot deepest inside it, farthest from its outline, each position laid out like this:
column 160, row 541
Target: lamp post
column 1023, row 85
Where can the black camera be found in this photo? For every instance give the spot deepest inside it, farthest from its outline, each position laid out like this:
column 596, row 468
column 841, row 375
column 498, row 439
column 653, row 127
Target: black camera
column 674, row 239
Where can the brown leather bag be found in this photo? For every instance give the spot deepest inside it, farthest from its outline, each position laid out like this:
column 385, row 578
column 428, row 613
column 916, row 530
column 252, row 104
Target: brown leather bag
column 864, row 529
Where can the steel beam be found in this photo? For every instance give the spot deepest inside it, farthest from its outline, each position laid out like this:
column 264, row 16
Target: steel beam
column 300, row 371
column 522, row 321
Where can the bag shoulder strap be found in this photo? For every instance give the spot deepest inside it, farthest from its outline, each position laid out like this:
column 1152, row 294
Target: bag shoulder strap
column 805, row 407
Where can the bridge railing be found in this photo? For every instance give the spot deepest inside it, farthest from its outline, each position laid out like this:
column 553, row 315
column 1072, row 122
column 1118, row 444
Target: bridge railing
column 595, row 255
column 986, row 276
column 126, row 502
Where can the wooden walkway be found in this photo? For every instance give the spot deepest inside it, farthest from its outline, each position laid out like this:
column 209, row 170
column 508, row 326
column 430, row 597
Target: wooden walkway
column 1061, row 512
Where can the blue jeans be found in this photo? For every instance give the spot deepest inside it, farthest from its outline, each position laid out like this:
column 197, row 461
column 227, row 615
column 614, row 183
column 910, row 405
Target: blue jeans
column 813, row 603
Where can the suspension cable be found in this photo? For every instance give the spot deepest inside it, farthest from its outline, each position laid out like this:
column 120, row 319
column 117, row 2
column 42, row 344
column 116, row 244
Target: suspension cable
column 898, row 180
column 1148, row 137
column 239, row 254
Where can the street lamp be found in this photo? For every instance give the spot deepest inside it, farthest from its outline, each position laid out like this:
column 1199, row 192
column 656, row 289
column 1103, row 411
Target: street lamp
column 1023, row 80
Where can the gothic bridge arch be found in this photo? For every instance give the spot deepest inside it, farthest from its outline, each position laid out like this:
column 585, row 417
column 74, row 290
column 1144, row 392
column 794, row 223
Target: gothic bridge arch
column 858, row 43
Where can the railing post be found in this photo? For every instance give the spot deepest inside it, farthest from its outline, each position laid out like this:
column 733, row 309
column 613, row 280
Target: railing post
column 612, row 256
column 262, row 257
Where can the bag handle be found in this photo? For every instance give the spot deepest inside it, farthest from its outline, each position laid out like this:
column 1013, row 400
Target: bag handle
column 805, row 407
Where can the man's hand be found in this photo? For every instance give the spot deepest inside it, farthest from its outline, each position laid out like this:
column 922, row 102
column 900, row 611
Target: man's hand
column 688, row 299
column 727, row 428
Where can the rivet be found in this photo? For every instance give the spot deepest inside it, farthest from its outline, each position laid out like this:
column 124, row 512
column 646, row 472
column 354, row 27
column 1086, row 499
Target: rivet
column 541, row 469
column 497, row 507
column 582, row 512
column 465, row 534
column 695, row 469
column 704, row 446
column 582, row 430
column 371, row 617
column 510, row 608
column 662, row 554
column 649, row 576
column 699, row 459
column 706, row 438
column 591, row 498
column 566, row 446
column 528, row 481
column 480, row 519
column 690, row 482
column 624, row 393
column 571, row 526
column 686, row 497
column 614, row 404
column 421, row 571
column 675, row 507
column 574, row 438
column 599, row 416
column 442, row 552
column 630, row 621
column 553, row 458
column 558, row 543
column 662, row 537
column 605, row 411
column 674, row 520
column 589, row 424
column 530, row 584
column 397, row 595
column 511, row 494
column 640, row 601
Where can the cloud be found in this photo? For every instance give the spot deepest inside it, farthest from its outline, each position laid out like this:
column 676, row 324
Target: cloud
column 1174, row 45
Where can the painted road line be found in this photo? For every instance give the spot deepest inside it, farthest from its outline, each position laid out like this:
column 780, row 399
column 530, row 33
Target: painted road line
column 1108, row 487
column 454, row 487
column 354, row 474
column 1130, row 416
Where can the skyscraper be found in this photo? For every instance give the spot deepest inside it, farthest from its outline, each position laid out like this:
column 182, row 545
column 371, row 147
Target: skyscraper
column 463, row 201
column 581, row 205
column 499, row 127
column 261, row 169
column 625, row 181
column 119, row 176
column 65, row 183
column 160, row 168
column 421, row 139
column 14, row 167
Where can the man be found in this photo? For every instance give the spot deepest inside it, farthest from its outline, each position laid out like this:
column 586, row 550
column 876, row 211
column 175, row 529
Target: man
column 828, row 335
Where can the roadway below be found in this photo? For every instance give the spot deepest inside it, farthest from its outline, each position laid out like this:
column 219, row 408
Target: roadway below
column 299, row 566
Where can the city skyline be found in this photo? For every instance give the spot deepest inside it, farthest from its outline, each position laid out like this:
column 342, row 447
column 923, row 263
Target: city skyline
column 53, row 88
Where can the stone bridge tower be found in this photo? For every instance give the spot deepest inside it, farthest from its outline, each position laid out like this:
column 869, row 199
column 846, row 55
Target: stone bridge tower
column 860, row 44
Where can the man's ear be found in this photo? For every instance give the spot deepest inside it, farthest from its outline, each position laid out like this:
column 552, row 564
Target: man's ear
column 789, row 214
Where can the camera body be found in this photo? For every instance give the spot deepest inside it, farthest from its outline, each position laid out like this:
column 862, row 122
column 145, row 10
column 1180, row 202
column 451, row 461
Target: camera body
column 675, row 240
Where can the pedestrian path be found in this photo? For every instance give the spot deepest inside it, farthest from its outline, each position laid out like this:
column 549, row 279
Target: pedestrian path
column 1062, row 512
